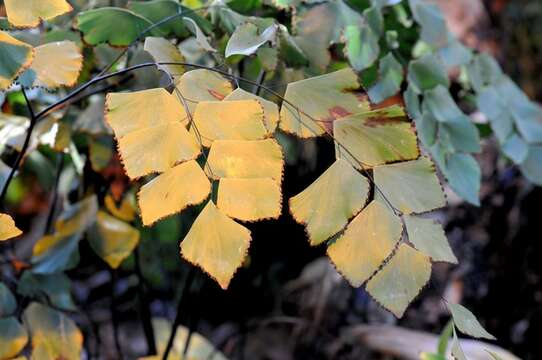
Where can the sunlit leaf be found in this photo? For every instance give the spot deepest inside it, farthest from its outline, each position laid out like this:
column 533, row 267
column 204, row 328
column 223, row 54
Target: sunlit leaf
column 328, row 203
column 126, row 210
column 67, row 60
column 245, row 159
column 203, row 85
column 217, row 244
column 54, row 335
column 270, row 109
column 366, row 242
column 320, row 100
column 115, row 26
column 150, row 132
column 245, row 40
column 59, row 251
column 171, row 192
column 401, row 279
column 13, row 337
column 113, row 239
column 376, row 137
column 428, row 237
column 199, row 349
column 467, row 323
column 162, row 50
column 16, row 57
column 229, row 120
column 8, row 229
column 412, row 186
column 8, row 304
column 250, row 199
column 29, row 13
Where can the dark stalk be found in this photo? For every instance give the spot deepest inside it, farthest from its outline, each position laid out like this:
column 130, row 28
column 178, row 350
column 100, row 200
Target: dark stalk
column 54, row 200
column 144, row 306
column 114, row 315
column 185, row 294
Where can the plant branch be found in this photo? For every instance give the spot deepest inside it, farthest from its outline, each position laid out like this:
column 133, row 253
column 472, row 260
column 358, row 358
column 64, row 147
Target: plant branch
column 144, row 306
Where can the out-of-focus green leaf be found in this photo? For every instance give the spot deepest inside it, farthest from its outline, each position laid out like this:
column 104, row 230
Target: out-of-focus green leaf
column 362, row 48
column 50, row 288
column 426, row 73
column 201, row 38
column 390, row 78
column 115, row 26
column 464, row 176
column 8, row 305
column 54, row 335
column 531, row 166
column 444, row 338
column 457, row 351
column 16, row 57
column 516, row 149
column 59, row 251
column 13, row 337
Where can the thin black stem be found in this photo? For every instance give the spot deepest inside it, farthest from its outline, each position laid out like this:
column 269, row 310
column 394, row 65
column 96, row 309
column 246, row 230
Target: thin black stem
column 194, row 316
column 114, row 315
column 259, row 81
column 33, row 120
column 144, row 306
column 54, row 200
column 180, row 307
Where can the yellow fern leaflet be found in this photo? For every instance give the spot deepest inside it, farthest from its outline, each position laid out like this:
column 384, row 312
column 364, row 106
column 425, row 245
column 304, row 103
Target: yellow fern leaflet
column 29, row 13
column 412, row 186
column 321, row 100
column 16, row 57
column 203, row 85
column 13, row 337
column 328, row 203
column 8, row 230
column 149, row 130
column 174, row 190
column 245, row 159
column 401, row 280
column 229, row 120
column 162, row 50
column 217, row 244
column 367, row 241
column 67, row 60
column 375, row 138
column 250, row 199
column 270, row 109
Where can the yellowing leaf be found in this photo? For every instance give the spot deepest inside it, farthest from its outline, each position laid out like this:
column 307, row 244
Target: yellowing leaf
column 375, row 138
column 229, row 120
column 250, row 199
column 401, row 280
column 54, row 335
column 328, row 203
column 162, row 50
column 128, row 112
column 245, row 159
column 367, row 241
column 203, row 85
column 270, row 109
column 113, row 239
column 16, row 57
column 29, row 13
column 13, row 337
column 173, row 191
column 321, row 100
column 428, row 236
column 8, row 229
column 126, row 211
column 467, row 323
column 217, row 244
column 55, row 64
column 412, row 186
column 150, row 133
